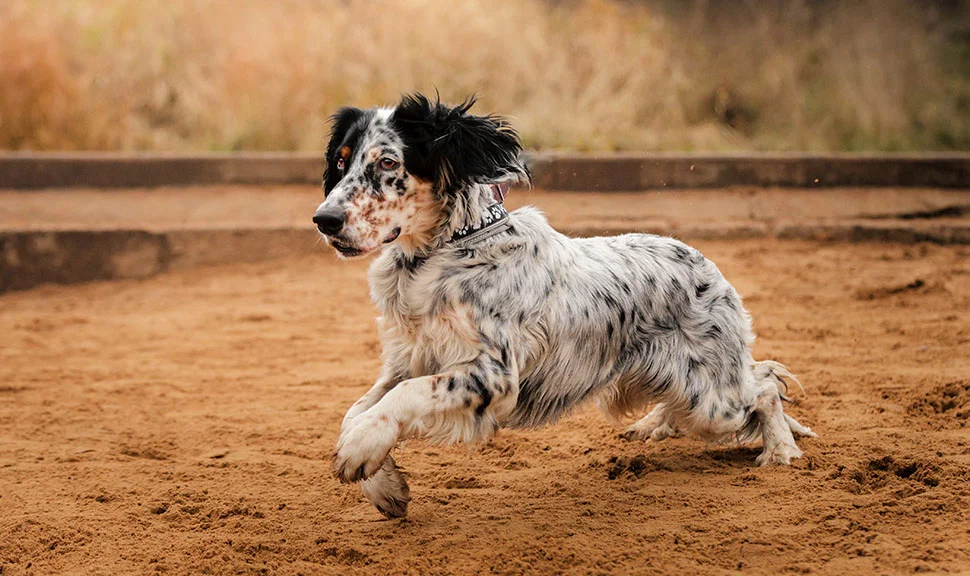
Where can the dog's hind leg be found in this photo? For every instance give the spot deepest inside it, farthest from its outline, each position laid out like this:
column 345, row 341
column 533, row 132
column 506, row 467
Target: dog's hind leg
column 656, row 426
column 745, row 412
column 777, row 428
column 776, row 432
column 799, row 428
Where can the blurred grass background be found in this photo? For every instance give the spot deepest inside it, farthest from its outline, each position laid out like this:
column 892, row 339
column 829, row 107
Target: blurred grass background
column 581, row 74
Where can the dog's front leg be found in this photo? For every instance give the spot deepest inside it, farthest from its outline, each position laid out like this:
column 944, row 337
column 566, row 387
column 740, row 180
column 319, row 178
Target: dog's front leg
column 395, row 369
column 463, row 403
column 387, row 489
column 382, row 386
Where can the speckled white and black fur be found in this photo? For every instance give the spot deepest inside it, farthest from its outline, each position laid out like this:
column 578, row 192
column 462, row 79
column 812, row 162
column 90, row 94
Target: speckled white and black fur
column 524, row 326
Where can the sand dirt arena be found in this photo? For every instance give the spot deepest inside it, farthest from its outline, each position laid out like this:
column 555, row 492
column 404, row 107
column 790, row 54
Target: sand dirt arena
column 182, row 424
column 178, row 345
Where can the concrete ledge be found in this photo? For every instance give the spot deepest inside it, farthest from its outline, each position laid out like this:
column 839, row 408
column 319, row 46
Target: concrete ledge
column 110, row 170
column 860, row 231
column 552, row 171
column 30, row 258
column 649, row 171
column 691, row 232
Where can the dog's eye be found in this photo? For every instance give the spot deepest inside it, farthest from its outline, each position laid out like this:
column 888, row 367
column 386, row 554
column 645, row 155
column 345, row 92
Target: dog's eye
column 388, row 164
column 341, row 164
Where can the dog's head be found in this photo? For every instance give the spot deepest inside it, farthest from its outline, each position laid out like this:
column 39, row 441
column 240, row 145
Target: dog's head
column 392, row 173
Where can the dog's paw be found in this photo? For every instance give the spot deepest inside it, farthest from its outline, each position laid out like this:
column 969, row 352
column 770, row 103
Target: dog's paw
column 779, row 453
column 362, row 448
column 387, row 490
column 654, row 433
column 632, row 434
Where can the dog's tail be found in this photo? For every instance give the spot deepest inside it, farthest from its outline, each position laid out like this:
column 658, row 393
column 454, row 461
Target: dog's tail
column 777, row 373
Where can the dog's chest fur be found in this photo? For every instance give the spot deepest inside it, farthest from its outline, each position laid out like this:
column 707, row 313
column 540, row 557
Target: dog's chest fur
column 425, row 321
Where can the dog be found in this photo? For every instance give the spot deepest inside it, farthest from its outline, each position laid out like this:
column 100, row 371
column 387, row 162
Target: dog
column 491, row 319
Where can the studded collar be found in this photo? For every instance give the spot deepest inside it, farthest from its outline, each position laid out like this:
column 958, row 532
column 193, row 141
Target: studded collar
column 495, row 219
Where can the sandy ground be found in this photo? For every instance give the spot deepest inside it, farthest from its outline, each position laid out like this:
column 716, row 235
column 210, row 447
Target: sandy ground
column 182, row 424
column 261, row 207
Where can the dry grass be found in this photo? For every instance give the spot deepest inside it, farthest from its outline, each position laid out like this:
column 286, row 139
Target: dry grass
column 591, row 74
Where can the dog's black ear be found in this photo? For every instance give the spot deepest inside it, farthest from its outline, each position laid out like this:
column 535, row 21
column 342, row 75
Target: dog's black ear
column 342, row 123
column 453, row 148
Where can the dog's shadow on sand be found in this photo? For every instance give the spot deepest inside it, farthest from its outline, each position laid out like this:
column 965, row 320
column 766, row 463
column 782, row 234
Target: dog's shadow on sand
column 718, row 461
column 727, row 460
column 725, row 463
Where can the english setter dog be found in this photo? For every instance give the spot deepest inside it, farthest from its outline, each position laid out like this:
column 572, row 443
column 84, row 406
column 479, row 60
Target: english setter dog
column 490, row 319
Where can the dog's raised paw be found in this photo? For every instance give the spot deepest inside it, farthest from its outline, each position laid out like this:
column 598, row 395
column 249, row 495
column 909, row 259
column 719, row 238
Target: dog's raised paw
column 362, row 448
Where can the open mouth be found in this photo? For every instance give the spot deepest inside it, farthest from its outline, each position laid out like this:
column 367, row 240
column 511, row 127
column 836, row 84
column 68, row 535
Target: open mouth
column 349, row 251
column 344, row 250
column 393, row 235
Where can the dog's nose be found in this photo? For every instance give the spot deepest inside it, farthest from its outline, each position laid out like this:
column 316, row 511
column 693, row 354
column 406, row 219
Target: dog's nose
column 329, row 221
